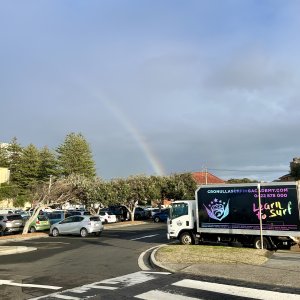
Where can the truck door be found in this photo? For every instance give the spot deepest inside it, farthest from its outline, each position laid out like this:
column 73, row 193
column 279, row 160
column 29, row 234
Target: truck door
column 181, row 218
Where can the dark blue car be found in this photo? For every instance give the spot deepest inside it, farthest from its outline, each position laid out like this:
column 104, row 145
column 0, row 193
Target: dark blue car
column 161, row 216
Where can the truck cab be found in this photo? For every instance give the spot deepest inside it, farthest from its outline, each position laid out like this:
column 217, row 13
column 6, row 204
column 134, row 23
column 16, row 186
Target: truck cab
column 181, row 224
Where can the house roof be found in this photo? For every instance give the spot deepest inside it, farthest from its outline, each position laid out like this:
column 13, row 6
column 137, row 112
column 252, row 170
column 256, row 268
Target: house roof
column 286, row 177
column 206, row 178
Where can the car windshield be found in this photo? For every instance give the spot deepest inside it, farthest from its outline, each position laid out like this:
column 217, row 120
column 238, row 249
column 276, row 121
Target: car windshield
column 94, row 219
column 14, row 217
column 178, row 210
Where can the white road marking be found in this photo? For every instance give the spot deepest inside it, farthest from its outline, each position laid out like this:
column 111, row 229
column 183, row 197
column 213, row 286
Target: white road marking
column 144, row 237
column 121, row 282
column 9, row 282
column 235, row 290
column 102, row 287
column 159, row 295
column 130, row 279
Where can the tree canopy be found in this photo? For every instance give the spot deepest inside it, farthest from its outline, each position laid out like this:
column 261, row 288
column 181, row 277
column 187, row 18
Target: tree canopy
column 241, row 180
column 75, row 156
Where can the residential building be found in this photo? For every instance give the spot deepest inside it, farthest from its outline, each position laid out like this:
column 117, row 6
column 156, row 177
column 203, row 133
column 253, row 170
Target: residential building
column 289, row 177
column 203, row 178
column 4, row 175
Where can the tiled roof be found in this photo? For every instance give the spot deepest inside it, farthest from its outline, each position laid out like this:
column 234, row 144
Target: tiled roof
column 287, row 177
column 206, row 178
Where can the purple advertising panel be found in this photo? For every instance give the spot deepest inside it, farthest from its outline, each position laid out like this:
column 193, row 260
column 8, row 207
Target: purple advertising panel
column 237, row 207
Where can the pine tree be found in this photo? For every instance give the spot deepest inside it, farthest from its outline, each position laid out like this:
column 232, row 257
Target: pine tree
column 14, row 150
column 75, row 157
column 48, row 164
column 28, row 167
column 4, row 159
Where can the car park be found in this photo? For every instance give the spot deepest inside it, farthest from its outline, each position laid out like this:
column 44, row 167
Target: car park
column 41, row 223
column 78, row 225
column 11, row 223
column 107, row 217
column 161, row 216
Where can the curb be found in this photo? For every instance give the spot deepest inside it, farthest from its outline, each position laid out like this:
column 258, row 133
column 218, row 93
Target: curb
column 116, row 225
column 156, row 263
column 20, row 237
column 141, row 263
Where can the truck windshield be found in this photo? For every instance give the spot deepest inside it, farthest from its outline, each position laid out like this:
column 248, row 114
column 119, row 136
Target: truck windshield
column 178, row 210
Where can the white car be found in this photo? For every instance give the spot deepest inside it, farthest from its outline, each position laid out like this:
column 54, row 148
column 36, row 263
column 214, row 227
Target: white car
column 107, row 217
column 82, row 225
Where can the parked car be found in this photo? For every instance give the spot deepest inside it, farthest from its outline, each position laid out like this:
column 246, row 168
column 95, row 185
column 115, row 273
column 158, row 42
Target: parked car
column 120, row 211
column 154, row 211
column 25, row 215
column 30, row 212
column 81, row 225
column 161, row 216
column 56, row 216
column 11, row 223
column 6, row 211
column 41, row 223
column 107, row 217
column 141, row 214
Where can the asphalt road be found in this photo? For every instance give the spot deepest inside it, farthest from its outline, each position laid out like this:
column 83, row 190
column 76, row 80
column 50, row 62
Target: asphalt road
column 70, row 261
column 106, row 267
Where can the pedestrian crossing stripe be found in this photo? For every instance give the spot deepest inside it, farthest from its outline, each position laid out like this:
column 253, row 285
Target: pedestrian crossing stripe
column 113, row 284
column 217, row 288
column 156, row 294
column 107, row 284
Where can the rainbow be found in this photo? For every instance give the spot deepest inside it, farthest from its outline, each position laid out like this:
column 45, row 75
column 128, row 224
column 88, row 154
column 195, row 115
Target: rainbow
column 137, row 136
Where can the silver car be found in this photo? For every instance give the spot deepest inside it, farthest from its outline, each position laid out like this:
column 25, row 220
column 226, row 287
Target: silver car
column 82, row 225
column 11, row 223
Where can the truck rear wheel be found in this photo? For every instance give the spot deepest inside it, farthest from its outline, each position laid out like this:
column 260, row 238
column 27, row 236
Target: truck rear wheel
column 186, row 238
column 257, row 243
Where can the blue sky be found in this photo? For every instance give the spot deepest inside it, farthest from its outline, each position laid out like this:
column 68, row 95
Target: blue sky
column 156, row 87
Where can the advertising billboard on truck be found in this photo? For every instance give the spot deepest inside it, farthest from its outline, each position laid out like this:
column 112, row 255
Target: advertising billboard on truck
column 238, row 207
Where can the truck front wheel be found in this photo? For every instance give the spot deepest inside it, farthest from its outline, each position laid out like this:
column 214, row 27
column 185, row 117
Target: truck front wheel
column 257, row 243
column 186, row 238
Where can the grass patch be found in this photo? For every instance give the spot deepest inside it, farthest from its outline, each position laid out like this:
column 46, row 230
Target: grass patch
column 192, row 254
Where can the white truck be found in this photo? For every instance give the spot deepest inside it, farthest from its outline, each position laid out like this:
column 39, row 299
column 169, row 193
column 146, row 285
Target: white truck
column 262, row 215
